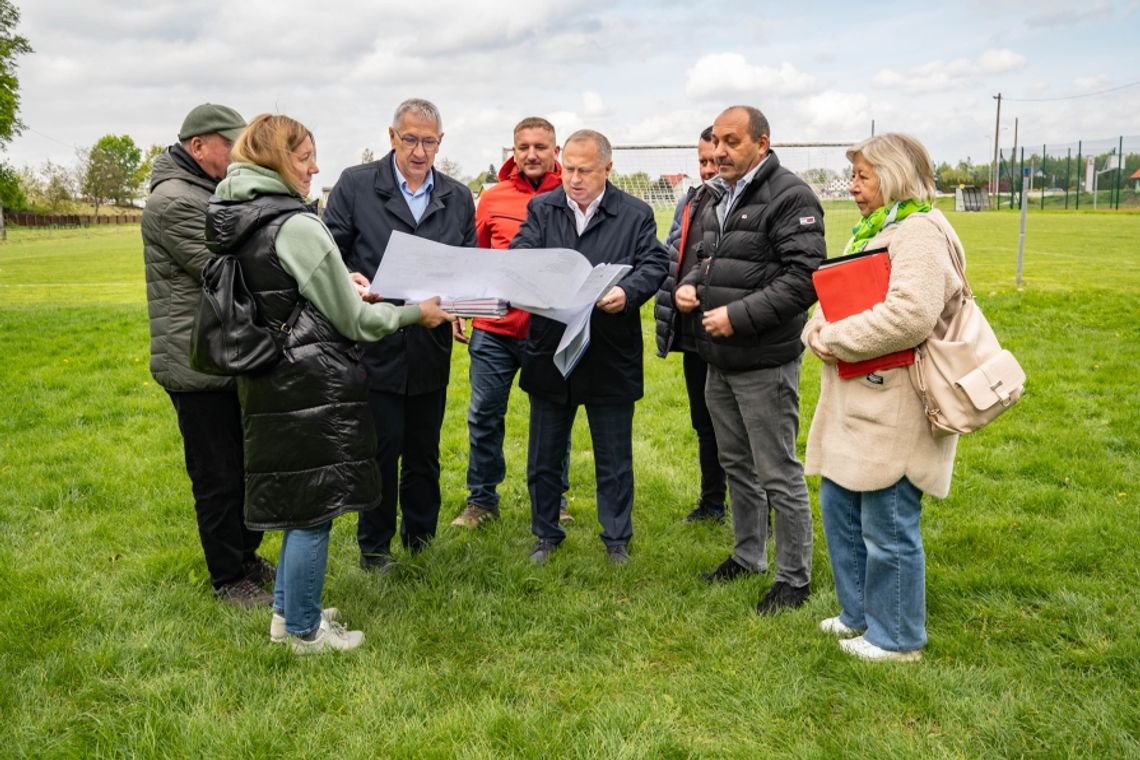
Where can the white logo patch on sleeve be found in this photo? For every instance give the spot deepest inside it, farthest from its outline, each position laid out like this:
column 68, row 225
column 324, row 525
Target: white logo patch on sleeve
column 807, row 220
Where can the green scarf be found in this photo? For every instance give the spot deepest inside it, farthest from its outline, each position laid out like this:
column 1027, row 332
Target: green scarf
column 873, row 223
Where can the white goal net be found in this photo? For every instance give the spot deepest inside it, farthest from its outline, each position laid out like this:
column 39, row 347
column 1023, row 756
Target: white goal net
column 662, row 174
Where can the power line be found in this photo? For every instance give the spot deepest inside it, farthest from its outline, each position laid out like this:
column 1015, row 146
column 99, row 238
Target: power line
column 1072, row 97
column 49, row 137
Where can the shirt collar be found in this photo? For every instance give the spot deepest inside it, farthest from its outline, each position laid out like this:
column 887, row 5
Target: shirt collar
column 741, row 183
column 590, row 208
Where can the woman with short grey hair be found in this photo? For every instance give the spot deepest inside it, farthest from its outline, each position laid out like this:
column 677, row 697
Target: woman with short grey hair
column 870, row 438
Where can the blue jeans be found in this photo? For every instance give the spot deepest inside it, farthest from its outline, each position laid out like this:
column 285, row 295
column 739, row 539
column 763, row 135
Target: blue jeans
column 301, row 577
column 495, row 360
column 611, row 433
column 877, row 559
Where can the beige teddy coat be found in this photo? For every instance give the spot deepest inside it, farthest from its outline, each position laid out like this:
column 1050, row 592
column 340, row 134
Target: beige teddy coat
column 867, row 435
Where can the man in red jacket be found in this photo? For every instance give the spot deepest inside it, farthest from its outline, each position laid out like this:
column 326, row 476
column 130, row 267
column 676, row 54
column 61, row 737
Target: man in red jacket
column 496, row 344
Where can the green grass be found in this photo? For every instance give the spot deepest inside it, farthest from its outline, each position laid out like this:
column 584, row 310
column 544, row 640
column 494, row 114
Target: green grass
column 111, row 645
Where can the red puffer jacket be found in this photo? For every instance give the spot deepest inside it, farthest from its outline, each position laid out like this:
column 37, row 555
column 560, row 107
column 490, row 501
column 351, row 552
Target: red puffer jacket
column 500, row 213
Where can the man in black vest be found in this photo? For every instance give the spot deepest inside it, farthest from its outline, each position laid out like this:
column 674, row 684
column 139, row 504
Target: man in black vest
column 764, row 239
column 675, row 330
column 408, row 370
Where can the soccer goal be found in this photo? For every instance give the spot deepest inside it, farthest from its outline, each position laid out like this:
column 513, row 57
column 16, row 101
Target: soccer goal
column 662, row 174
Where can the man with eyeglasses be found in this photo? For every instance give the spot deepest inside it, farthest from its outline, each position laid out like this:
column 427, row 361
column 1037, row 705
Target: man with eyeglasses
column 408, row 370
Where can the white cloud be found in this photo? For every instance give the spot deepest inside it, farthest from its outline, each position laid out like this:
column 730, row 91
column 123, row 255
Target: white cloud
column 592, row 104
column 828, row 115
column 1094, row 82
column 998, row 61
column 720, row 75
column 955, row 74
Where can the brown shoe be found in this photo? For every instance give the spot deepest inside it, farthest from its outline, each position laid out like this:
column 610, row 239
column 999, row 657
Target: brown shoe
column 260, row 570
column 472, row 517
column 564, row 516
column 245, row 593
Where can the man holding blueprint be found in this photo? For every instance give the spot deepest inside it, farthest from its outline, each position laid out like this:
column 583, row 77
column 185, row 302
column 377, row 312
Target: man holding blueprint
column 603, row 371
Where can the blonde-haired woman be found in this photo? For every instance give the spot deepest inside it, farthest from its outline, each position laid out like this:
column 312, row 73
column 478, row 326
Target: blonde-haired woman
column 309, row 443
column 870, row 439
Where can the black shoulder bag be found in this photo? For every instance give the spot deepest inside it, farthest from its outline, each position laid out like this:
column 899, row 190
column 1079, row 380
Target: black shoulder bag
column 228, row 337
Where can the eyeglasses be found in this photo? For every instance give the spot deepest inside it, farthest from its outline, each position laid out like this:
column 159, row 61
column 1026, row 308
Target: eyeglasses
column 431, row 144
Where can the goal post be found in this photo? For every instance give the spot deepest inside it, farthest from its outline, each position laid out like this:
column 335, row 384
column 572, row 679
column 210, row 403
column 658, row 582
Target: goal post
column 660, row 175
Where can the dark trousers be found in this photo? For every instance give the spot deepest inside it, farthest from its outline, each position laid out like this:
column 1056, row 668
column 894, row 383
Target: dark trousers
column 210, row 422
column 407, row 437
column 712, row 474
column 611, row 432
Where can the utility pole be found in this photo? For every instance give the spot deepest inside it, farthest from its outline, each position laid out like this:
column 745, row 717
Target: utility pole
column 1012, row 162
column 994, row 167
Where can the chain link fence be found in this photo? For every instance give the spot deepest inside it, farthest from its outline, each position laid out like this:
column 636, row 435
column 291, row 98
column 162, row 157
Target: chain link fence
column 1101, row 175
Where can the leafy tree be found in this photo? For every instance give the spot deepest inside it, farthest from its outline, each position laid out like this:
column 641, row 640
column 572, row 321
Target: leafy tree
column 142, row 174
column 634, row 184
column 110, row 170
column 11, row 193
column 448, row 167
column 12, row 46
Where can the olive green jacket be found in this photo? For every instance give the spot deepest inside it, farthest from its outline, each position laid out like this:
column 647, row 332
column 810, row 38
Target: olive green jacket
column 174, row 248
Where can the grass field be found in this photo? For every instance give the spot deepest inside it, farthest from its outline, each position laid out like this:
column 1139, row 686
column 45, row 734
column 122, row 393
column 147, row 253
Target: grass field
column 112, row 646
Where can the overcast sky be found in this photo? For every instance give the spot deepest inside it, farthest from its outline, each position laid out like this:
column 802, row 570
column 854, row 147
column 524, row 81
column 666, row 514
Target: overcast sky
column 641, row 72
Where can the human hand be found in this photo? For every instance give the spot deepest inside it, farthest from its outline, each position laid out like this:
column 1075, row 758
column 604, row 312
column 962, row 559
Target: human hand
column 818, row 348
column 613, row 301
column 433, row 316
column 457, row 328
column 362, row 285
column 717, row 323
column 685, row 298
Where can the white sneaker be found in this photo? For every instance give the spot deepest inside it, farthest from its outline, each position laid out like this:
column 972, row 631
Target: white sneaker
column 834, row 627
column 865, row 650
column 277, row 632
column 330, row 637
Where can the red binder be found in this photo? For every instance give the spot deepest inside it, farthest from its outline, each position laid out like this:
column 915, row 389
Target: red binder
column 850, row 285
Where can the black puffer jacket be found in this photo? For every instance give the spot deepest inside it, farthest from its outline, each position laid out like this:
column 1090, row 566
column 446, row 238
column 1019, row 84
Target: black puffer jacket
column 309, row 439
column 686, row 249
column 622, row 231
column 760, row 267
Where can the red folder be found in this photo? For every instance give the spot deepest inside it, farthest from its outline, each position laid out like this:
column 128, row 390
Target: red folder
column 850, row 285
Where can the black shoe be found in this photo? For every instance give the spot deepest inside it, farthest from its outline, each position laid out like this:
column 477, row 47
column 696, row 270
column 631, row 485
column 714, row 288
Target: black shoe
column 261, row 571
column 705, row 512
column 542, row 551
column 782, row 595
column 618, row 554
column 729, row 570
column 381, row 564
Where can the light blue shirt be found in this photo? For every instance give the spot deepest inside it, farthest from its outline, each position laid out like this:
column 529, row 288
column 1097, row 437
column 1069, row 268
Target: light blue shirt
column 418, row 200
column 731, row 193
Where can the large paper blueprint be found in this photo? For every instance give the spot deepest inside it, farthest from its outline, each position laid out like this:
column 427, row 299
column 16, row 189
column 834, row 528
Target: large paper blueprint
column 558, row 283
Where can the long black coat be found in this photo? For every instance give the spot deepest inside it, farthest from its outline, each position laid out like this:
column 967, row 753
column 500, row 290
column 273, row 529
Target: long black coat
column 310, row 445
column 623, row 231
column 760, row 267
column 365, row 207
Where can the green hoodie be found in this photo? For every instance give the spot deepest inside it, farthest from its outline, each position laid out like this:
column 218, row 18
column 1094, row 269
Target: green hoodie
column 310, row 255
